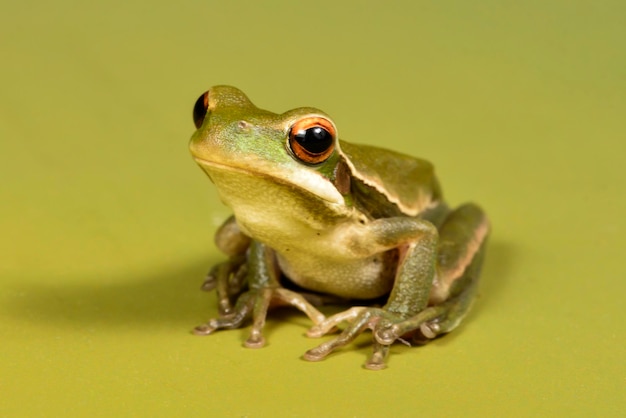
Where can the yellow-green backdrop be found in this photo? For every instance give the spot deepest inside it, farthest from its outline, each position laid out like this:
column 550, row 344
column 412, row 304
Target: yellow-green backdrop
column 106, row 223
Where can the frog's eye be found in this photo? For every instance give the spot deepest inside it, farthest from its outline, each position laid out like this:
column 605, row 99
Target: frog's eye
column 312, row 139
column 200, row 109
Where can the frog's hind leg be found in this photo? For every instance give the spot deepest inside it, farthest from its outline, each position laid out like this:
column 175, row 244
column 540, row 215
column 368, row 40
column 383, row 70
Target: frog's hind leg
column 461, row 249
column 460, row 252
column 444, row 317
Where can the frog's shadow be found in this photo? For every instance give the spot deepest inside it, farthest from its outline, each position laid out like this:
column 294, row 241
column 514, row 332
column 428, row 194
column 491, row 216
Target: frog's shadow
column 499, row 258
column 172, row 298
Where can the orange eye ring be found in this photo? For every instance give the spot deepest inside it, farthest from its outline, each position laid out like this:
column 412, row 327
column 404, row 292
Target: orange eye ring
column 312, row 139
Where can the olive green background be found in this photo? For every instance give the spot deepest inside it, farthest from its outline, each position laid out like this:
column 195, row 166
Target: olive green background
column 106, row 223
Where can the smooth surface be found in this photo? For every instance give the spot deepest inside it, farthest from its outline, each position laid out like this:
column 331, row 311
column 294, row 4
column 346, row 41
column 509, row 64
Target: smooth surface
column 106, row 223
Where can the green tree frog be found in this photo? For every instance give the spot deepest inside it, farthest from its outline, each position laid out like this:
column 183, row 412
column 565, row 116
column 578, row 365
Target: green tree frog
column 356, row 222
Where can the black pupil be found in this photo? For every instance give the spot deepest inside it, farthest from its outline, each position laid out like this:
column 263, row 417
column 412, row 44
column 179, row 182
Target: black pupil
column 315, row 140
column 199, row 111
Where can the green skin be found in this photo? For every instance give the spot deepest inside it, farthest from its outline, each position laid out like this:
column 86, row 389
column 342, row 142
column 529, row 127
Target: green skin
column 350, row 227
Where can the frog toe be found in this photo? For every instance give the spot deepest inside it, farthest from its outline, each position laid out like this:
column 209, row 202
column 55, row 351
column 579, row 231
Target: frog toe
column 318, row 353
column 377, row 360
column 386, row 335
column 323, row 350
column 330, row 324
column 210, row 282
column 204, row 329
column 213, row 325
column 241, row 312
column 227, row 322
column 430, row 329
column 255, row 340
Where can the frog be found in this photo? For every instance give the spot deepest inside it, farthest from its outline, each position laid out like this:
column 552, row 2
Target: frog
column 317, row 218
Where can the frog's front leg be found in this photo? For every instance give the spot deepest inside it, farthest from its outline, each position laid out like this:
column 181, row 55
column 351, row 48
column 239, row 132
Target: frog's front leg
column 264, row 291
column 434, row 282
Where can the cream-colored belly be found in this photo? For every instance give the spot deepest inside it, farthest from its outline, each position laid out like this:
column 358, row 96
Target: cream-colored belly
column 365, row 278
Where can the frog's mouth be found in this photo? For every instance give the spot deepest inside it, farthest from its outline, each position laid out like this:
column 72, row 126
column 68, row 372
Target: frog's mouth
column 308, row 182
column 207, row 165
column 226, row 167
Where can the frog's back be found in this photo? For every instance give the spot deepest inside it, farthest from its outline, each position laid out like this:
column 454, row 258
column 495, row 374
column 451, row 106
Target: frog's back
column 407, row 182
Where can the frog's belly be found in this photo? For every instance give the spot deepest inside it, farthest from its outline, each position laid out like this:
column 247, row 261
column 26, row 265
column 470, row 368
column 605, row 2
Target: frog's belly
column 365, row 278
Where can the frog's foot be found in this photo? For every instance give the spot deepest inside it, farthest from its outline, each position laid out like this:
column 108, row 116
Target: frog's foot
column 359, row 319
column 424, row 327
column 228, row 280
column 255, row 304
column 431, row 322
column 387, row 327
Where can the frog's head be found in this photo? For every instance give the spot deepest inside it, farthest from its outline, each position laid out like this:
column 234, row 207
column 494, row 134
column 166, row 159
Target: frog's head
column 254, row 156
